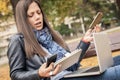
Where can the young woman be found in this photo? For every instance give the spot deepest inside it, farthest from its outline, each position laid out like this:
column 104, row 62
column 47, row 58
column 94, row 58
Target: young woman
column 35, row 41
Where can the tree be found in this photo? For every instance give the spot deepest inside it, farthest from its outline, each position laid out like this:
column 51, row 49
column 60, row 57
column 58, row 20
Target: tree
column 5, row 9
column 84, row 10
column 118, row 6
column 57, row 10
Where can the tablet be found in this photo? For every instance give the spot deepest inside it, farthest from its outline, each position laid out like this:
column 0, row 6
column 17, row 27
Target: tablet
column 69, row 60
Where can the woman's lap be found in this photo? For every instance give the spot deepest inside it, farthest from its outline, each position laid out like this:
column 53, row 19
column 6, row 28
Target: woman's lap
column 113, row 73
column 108, row 75
column 116, row 60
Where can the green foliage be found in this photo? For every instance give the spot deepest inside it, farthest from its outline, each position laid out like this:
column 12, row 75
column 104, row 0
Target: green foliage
column 105, row 6
column 63, row 29
column 5, row 9
column 57, row 10
column 79, row 8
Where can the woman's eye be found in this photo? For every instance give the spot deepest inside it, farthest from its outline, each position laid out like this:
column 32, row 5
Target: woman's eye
column 39, row 12
column 30, row 15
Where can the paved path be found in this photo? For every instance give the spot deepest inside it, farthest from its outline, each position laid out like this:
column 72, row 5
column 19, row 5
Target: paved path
column 3, row 60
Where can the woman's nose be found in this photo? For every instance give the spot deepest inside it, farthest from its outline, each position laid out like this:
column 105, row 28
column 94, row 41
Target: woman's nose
column 37, row 16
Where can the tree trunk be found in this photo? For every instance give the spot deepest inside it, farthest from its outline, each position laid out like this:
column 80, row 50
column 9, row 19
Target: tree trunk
column 82, row 25
column 118, row 6
column 118, row 3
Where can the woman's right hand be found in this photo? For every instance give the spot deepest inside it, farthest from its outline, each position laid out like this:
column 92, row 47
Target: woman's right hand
column 48, row 71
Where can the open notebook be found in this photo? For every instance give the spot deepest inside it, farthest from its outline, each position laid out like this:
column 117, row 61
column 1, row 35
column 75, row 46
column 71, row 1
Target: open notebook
column 69, row 60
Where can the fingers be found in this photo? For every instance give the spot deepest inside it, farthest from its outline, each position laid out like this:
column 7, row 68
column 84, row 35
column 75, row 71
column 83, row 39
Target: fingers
column 44, row 72
column 97, row 28
column 49, row 71
column 51, row 67
column 88, row 35
column 56, row 70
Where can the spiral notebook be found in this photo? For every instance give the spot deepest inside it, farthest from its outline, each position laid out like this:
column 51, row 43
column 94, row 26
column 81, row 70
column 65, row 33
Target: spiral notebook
column 69, row 60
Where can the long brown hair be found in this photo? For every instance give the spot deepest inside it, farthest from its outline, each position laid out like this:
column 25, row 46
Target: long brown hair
column 31, row 44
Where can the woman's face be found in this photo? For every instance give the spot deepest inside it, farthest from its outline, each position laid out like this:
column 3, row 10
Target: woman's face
column 35, row 16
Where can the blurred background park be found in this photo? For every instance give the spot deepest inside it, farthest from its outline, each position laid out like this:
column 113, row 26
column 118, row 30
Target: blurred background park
column 70, row 17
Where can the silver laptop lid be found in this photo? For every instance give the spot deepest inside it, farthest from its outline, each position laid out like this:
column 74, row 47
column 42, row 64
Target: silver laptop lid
column 103, row 50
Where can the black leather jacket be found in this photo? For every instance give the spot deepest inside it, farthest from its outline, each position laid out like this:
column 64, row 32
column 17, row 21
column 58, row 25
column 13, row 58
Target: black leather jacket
column 22, row 68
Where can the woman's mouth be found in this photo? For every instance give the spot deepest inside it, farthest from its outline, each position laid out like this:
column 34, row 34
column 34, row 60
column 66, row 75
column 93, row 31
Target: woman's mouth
column 38, row 24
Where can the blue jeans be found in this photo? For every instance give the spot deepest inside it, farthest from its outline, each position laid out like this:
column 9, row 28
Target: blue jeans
column 113, row 73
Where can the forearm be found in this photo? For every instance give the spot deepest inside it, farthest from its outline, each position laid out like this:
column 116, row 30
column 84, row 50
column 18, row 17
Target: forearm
column 84, row 46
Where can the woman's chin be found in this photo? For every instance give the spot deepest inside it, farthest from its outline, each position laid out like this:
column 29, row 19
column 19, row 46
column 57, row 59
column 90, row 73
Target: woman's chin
column 39, row 28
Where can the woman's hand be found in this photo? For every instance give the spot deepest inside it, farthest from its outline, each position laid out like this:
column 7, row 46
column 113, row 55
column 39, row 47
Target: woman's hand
column 97, row 28
column 88, row 35
column 49, row 71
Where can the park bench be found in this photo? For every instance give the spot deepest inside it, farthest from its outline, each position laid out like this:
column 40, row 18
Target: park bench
column 114, row 44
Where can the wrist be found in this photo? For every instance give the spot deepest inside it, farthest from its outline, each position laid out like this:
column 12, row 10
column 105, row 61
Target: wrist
column 85, row 40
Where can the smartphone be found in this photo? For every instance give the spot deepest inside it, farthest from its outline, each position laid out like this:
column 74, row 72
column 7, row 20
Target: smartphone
column 96, row 20
column 51, row 59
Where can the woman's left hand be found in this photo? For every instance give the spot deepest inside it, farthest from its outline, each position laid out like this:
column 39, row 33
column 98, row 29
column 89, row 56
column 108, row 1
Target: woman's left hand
column 88, row 35
column 97, row 28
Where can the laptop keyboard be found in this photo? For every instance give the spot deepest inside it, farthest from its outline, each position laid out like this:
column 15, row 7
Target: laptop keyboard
column 93, row 69
column 84, row 70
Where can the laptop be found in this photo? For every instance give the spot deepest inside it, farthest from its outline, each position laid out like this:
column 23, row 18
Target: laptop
column 103, row 54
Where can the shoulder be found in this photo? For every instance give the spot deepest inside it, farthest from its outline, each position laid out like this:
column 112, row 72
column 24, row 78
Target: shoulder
column 16, row 44
column 16, row 36
column 16, row 39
